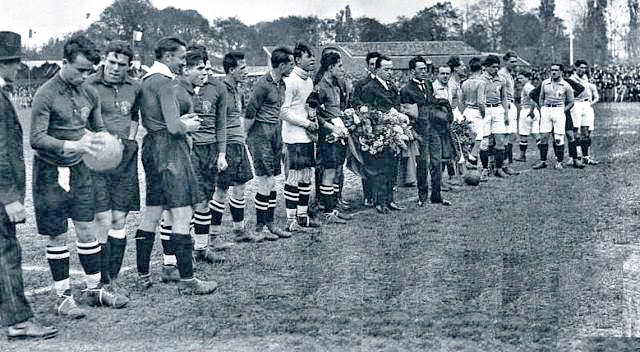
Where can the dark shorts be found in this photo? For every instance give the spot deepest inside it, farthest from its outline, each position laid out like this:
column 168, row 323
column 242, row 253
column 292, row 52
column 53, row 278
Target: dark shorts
column 332, row 155
column 300, row 156
column 265, row 144
column 53, row 205
column 568, row 124
column 119, row 189
column 204, row 158
column 170, row 178
column 239, row 170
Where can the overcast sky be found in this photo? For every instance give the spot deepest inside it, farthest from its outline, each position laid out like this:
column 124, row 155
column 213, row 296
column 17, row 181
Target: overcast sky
column 49, row 18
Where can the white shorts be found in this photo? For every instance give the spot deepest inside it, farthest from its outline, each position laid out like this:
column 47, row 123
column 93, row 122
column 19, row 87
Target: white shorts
column 494, row 121
column 513, row 119
column 582, row 114
column 592, row 118
column 529, row 125
column 552, row 119
column 475, row 121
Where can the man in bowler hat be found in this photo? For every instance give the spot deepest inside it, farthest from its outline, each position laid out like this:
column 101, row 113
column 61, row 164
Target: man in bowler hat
column 14, row 308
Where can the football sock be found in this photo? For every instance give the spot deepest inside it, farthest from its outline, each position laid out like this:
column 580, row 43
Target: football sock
column 584, row 146
column 273, row 198
column 184, row 254
column 326, row 197
column 261, row 202
column 499, row 156
column 523, row 146
column 116, row 244
column 559, row 150
column 291, row 199
column 303, row 200
column 509, row 152
column 144, row 246
column 202, row 221
column 484, row 158
column 573, row 149
column 90, row 255
column 58, row 259
column 544, row 149
column 105, row 263
column 236, row 208
column 168, row 247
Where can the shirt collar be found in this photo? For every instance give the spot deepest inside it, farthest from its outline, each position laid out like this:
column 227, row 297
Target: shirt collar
column 384, row 84
column 159, row 67
column 300, row 72
column 2, row 82
column 230, row 84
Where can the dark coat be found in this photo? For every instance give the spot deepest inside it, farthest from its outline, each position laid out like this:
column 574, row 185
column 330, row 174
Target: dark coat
column 376, row 97
column 12, row 169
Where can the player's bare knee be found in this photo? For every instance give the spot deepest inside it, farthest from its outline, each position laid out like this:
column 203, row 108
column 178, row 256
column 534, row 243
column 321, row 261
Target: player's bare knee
column 85, row 231
column 58, row 241
column 118, row 220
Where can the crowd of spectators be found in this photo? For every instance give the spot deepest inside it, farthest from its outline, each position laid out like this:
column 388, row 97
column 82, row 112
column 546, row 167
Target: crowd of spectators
column 615, row 83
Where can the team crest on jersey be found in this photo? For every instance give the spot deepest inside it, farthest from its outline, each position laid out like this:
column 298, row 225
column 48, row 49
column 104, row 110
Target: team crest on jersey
column 206, row 106
column 84, row 112
column 125, row 108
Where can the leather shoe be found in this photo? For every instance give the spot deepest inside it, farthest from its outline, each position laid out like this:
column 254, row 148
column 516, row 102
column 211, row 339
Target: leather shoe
column 395, row 206
column 382, row 210
column 30, row 330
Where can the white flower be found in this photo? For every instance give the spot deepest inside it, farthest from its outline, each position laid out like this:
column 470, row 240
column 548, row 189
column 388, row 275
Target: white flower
column 364, row 109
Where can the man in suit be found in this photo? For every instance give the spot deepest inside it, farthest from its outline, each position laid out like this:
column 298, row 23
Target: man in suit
column 381, row 94
column 14, row 308
column 417, row 98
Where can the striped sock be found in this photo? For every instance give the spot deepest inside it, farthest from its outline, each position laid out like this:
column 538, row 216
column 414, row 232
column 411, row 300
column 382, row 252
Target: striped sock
column 261, row 202
column 168, row 247
column 58, row 258
column 116, row 242
column 291, row 200
column 236, row 208
column 273, row 200
column 303, row 200
column 90, row 254
column 202, row 221
column 326, row 197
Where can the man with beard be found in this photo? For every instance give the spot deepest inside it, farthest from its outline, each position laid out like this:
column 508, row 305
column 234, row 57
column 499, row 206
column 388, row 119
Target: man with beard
column 262, row 123
column 64, row 109
column 170, row 177
column 416, row 98
column 117, row 191
column 300, row 153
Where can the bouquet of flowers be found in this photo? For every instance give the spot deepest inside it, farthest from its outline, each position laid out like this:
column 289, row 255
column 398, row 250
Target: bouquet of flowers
column 374, row 130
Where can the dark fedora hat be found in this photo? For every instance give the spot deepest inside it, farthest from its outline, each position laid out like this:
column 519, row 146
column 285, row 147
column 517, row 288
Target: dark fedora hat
column 9, row 46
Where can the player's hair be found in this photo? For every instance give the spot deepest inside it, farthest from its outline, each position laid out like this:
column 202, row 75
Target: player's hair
column 380, row 59
column 326, row 63
column 580, row 62
column 453, row 62
column 491, row 60
column 80, row 44
column 299, row 50
column 508, row 55
column 201, row 48
column 330, row 49
column 372, row 55
column 415, row 60
column 168, row 45
column 526, row 73
column 561, row 66
column 195, row 57
column 119, row 47
column 281, row 55
column 475, row 64
column 231, row 60
column 313, row 100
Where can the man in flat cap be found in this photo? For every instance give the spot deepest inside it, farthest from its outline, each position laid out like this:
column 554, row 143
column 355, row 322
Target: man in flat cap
column 14, row 308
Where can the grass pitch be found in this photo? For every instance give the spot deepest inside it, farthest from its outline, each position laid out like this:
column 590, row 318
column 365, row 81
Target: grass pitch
column 528, row 263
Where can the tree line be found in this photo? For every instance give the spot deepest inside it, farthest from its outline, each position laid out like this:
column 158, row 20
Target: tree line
column 537, row 35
